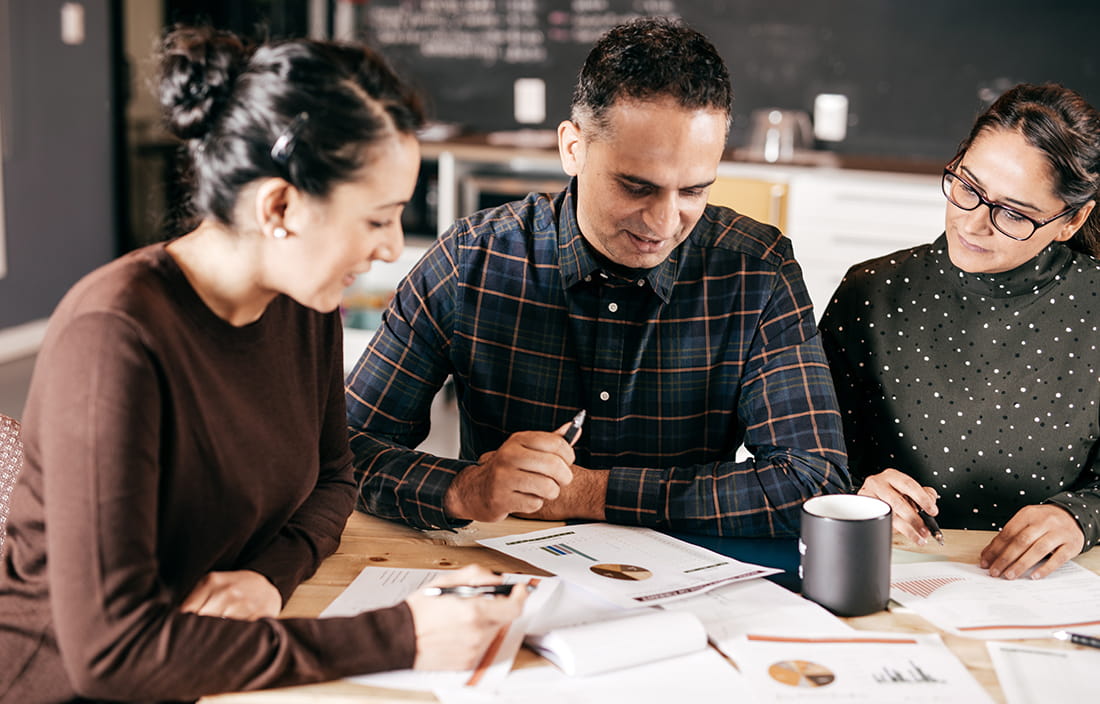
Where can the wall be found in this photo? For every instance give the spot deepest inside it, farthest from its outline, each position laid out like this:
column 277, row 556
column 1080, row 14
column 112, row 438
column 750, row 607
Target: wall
column 916, row 71
column 58, row 142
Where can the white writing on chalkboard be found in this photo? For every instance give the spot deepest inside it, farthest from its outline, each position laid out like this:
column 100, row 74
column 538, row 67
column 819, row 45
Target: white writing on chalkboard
column 498, row 31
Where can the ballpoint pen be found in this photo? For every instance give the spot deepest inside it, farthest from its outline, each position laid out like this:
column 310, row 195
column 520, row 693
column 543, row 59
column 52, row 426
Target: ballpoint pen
column 931, row 525
column 574, row 428
column 1077, row 639
column 466, row 591
column 929, row 522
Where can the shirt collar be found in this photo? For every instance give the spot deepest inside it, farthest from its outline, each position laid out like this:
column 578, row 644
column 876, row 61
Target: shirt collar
column 577, row 261
column 1033, row 276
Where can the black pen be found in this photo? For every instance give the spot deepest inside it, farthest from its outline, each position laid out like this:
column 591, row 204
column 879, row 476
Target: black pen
column 465, row 591
column 1078, row 639
column 929, row 522
column 931, row 525
column 575, row 426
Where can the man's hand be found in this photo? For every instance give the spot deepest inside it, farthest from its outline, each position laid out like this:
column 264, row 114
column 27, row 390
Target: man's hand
column 529, row 469
column 243, row 594
column 1033, row 533
column 584, row 497
column 905, row 496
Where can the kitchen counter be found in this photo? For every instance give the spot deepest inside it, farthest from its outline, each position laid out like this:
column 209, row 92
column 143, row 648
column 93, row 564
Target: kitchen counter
column 538, row 149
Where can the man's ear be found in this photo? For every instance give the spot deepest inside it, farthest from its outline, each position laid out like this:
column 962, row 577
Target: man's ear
column 571, row 147
column 272, row 199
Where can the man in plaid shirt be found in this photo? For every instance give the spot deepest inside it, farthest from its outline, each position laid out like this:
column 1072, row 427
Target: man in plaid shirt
column 684, row 329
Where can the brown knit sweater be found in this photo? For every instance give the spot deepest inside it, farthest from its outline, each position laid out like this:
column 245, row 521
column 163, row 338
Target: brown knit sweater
column 163, row 443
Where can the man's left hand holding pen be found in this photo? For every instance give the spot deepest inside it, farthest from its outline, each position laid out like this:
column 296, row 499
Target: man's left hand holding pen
column 453, row 633
column 532, row 474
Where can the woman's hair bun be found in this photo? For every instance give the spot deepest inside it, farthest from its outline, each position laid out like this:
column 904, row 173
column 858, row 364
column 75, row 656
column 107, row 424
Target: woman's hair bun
column 198, row 68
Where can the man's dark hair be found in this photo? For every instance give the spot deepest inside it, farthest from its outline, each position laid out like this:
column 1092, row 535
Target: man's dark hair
column 648, row 58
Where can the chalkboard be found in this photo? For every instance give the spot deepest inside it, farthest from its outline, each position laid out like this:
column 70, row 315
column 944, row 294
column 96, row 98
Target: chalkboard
column 916, row 72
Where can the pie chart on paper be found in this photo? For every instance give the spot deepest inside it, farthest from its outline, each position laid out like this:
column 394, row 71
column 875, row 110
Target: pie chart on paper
column 631, row 573
column 801, row 673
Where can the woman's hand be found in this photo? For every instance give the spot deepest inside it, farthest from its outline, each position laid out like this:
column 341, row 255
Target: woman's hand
column 243, row 594
column 452, row 632
column 1033, row 533
column 905, row 496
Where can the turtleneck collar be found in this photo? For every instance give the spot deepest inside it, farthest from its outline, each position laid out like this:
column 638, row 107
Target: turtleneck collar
column 1032, row 277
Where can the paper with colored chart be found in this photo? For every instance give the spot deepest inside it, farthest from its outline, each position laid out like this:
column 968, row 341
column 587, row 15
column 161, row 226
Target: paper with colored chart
column 870, row 668
column 627, row 565
column 379, row 587
column 963, row 599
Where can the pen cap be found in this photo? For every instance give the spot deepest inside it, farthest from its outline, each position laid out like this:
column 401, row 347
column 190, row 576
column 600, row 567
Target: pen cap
column 845, row 550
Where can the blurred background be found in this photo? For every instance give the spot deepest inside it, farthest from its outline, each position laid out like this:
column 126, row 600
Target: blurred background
column 835, row 100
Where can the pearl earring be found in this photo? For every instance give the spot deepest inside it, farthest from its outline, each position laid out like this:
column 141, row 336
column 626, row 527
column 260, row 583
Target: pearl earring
column 279, row 233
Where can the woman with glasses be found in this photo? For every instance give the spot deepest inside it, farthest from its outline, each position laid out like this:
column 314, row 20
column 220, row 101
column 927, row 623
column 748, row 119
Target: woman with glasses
column 967, row 369
column 187, row 461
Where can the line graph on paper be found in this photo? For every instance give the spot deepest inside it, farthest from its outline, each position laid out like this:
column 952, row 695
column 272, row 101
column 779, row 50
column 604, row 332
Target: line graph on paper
column 924, row 588
column 913, row 674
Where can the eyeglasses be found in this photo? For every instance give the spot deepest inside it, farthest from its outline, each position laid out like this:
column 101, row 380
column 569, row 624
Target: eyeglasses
column 1009, row 222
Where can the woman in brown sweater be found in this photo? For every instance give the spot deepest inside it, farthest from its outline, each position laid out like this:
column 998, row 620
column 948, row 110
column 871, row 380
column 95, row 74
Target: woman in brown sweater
column 187, row 463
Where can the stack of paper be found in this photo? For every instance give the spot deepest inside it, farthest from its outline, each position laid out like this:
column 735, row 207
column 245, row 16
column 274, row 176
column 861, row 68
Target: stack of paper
column 598, row 621
column 379, row 587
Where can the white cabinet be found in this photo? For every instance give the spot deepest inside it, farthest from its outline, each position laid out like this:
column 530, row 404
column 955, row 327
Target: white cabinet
column 366, row 299
column 838, row 218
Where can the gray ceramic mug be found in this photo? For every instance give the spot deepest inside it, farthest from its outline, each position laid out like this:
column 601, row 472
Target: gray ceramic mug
column 845, row 549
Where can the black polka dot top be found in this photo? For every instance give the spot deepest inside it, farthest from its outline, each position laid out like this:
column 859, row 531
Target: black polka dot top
column 982, row 386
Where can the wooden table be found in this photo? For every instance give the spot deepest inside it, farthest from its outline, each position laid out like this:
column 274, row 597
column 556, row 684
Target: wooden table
column 373, row 541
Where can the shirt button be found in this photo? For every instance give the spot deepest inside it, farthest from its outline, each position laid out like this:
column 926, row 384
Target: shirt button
column 588, row 278
column 604, row 395
column 641, row 282
column 613, row 307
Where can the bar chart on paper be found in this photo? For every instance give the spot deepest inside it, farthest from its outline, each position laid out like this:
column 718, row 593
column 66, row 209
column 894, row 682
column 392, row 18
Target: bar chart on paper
column 924, row 588
column 963, row 599
column 562, row 549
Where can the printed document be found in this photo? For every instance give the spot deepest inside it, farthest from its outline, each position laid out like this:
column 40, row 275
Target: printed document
column 1033, row 675
column 757, row 606
column 379, row 587
column 875, row 668
column 702, row 676
column 583, row 634
column 963, row 599
column 627, row 565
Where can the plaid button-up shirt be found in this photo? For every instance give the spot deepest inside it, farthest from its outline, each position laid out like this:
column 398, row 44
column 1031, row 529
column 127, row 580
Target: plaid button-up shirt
column 676, row 367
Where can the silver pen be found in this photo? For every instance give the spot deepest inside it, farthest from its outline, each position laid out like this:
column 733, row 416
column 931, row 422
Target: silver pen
column 575, row 426
column 465, row 591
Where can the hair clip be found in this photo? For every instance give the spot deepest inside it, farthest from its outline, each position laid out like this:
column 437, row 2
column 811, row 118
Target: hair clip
column 284, row 145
